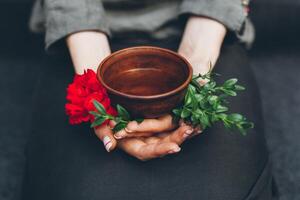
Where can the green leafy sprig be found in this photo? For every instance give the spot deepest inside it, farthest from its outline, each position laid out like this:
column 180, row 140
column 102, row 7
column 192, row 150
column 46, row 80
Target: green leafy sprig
column 203, row 105
column 101, row 116
column 206, row 104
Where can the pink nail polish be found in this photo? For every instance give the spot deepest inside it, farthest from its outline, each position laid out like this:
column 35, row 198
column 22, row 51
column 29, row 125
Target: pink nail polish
column 176, row 150
column 171, row 152
column 127, row 130
column 107, row 143
column 187, row 133
column 118, row 136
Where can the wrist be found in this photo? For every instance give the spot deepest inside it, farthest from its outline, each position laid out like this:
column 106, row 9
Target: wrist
column 87, row 49
column 201, row 42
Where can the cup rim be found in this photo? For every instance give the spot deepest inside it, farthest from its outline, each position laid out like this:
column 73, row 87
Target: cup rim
column 148, row 97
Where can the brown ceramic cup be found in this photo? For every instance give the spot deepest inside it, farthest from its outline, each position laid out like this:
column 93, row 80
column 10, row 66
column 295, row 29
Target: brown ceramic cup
column 148, row 81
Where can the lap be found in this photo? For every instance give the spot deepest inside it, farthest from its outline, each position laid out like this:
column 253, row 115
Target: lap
column 66, row 162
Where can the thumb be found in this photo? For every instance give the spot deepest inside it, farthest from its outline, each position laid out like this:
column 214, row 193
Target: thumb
column 105, row 134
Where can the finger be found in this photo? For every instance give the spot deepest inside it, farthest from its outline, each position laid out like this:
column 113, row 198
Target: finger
column 105, row 134
column 142, row 151
column 197, row 130
column 161, row 124
column 152, row 140
column 112, row 124
column 124, row 134
column 157, row 150
column 179, row 135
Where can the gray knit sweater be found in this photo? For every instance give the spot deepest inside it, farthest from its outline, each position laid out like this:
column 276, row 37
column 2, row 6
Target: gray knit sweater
column 156, row 19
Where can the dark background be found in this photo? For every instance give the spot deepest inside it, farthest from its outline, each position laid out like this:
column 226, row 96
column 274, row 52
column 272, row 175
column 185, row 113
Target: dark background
column 275, row 57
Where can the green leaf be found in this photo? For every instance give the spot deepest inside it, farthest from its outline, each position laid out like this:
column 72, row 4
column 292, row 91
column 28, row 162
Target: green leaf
column 241, row 129
column 214, row 118
column 123, row 113
column 222, row 116
column 199, row 97
column 230, row 82
column 119, row 126
column 194, row 118
column 204, row 120
column 221, row 108
column 96, row 114
column 177, row 111
column 230, row 92
column 247, row 125
column 213, row 99
column 188, row 99
column 239, row 87
column 99, row 107
column 210, row 85
column 185, row 113
column 235, row 117
column 139, row 120
column 98, row 121
column 227, row 125
column 118, row 119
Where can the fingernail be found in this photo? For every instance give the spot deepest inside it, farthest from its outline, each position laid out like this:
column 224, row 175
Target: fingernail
column 107, row 143
column 187, row 133
column 118, row 135
column 175, row 150
column 127, row 130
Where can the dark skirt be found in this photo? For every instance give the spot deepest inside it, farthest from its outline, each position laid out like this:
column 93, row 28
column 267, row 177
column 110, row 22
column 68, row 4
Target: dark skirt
column 67, row 162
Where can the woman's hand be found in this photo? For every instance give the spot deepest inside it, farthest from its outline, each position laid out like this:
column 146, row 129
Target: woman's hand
column 201, row 43
column 150, row 127
column 160, row 145
column 105, row 134
column 150, row 139
column 160, row 138
column 153, row 138
column 87, row 50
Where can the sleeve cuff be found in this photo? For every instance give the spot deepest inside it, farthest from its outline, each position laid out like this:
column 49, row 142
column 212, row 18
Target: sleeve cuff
column 230, row 13
column 70, row 16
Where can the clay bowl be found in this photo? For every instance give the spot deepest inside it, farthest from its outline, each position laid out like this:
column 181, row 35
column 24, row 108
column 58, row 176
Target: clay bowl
column 147, row 81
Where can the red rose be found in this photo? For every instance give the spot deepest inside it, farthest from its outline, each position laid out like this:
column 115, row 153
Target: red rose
column 80, row 96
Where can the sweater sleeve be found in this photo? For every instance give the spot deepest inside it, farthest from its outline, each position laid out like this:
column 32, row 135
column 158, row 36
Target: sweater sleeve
column 63, row 17
column 231, row 13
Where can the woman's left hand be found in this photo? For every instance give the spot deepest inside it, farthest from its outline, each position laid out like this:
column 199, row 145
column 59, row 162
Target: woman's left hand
column 153, row 138
column 160, row 145
column 201, row 43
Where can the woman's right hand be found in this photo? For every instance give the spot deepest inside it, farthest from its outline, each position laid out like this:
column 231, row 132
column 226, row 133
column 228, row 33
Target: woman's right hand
column 87, row 49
